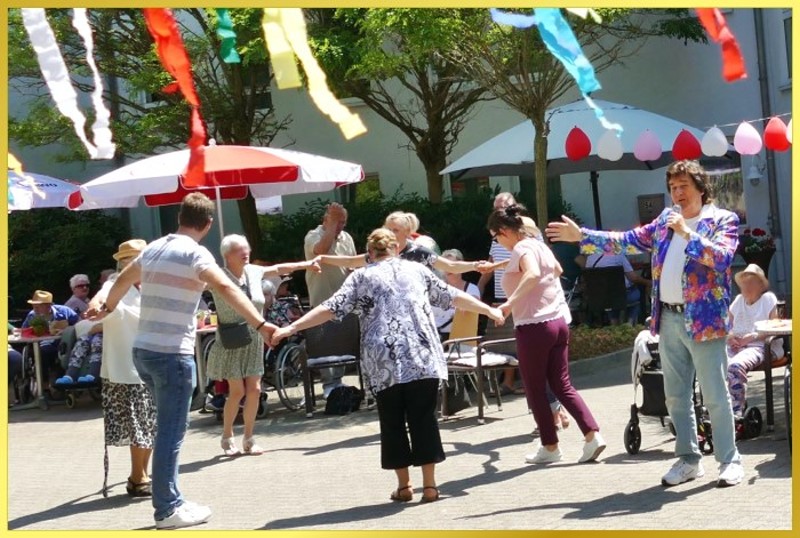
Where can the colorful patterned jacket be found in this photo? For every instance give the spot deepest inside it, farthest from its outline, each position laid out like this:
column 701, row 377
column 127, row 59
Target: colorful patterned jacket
column 706, row 275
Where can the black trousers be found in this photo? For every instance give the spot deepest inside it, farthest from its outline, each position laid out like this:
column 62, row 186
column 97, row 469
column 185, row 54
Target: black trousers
column 414, row 405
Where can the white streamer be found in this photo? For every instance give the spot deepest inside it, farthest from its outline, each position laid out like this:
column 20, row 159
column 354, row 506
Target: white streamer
column 54, row 71
column 102, row 132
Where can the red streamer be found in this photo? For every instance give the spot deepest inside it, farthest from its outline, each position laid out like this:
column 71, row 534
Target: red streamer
column 169, row 44
column 717, row 28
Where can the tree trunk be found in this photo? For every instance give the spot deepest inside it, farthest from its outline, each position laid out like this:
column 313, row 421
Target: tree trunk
column 252, row 230
column 540, row 171
column 435, row 182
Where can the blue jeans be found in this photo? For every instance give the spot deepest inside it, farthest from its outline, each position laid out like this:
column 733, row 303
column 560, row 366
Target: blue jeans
column 680, row 358
column 171, row 379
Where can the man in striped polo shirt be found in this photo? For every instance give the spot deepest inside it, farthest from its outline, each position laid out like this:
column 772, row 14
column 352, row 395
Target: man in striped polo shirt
column 173, row 272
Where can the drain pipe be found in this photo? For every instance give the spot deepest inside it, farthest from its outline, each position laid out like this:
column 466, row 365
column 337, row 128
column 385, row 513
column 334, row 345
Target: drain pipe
column 773, row 218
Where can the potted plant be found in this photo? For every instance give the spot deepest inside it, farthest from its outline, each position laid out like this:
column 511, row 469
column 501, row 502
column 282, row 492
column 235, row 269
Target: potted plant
column 39, row 325
column 756, row 246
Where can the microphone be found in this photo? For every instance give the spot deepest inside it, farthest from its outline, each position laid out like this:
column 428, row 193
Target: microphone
column 677, row 209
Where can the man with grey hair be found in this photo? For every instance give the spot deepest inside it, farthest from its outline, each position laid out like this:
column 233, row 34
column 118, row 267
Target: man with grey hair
column 79, row 302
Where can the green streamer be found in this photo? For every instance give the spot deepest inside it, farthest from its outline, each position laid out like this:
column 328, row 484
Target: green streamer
column 227, row 36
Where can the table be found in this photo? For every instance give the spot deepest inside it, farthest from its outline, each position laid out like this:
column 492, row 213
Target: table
column 771, row 329
column 41, row 400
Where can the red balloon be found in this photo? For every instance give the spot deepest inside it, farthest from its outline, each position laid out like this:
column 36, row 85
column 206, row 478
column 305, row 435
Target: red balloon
column 686, row 146
column 775, row 135
column 577, row 145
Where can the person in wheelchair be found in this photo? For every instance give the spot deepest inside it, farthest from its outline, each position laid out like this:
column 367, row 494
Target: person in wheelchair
column 85, row 356
column 745, row 349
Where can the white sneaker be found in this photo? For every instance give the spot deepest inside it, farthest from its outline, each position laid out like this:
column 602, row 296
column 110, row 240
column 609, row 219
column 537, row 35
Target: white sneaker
column 187, row 514
column 593, row 448
column 681, row 472
column 544, row 456
column 730, row 474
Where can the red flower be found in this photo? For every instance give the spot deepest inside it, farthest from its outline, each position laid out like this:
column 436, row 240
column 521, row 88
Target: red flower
column 758, row 232
column 746, row 231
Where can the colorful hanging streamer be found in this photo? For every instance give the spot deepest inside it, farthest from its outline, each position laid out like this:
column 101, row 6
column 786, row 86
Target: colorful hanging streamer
column 285, row 30
column 56, row 75
column 227, row 37
column 100, row 127
column 582, row 12
column 517, row 20
column 717, row 28
column 169, row 44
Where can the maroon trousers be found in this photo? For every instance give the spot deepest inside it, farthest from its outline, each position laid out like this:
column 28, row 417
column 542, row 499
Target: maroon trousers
column 543, row 357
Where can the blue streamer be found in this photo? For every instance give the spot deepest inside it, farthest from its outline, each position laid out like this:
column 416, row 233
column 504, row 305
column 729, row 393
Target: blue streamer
column 561, row 42
column 517, row 20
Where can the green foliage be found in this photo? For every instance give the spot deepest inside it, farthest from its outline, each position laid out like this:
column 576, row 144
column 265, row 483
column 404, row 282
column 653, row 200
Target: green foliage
column 47, row 246
column 39, row 325
column 585, row 341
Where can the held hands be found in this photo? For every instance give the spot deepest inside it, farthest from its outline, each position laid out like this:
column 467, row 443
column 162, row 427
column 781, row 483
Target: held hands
column 315, row 265
column 484, row 267
column 497, row 316
column 567, row 231
column 95, row 314
column 505, row 308
column 280, row 334
column 267, row 330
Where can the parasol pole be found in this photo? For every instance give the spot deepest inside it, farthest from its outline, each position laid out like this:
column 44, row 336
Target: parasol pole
column 219, row 212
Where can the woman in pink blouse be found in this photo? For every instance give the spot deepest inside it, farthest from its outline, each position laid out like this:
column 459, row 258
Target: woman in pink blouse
column 541, row 319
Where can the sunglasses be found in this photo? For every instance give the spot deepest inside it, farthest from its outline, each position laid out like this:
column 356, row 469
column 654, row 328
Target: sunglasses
column 81, row 285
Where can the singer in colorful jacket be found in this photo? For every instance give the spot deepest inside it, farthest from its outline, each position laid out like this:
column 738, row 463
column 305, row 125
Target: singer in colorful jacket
column 692, row 246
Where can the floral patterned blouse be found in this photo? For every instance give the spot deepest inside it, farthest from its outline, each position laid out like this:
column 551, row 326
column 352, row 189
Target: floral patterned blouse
column 392, row 299
column 707, row 274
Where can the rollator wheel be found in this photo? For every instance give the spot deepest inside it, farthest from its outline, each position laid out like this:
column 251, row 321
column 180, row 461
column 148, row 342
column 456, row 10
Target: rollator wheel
column 96, row 395
column 753, row 423
column 632, row 438
column 704, row 440
column 70, row 400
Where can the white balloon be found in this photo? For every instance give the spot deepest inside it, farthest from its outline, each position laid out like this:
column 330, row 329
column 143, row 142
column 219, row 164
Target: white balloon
column 789, row 131
column 714, row 143
column 647, row 147
column 609, row 146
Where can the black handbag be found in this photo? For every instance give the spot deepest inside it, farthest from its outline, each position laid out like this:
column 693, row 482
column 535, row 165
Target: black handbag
column 234, row 335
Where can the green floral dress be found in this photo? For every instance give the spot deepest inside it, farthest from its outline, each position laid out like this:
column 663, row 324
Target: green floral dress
column 249, row 360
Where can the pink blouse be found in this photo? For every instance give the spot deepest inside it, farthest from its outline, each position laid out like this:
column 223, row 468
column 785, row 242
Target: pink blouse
column 545, row 302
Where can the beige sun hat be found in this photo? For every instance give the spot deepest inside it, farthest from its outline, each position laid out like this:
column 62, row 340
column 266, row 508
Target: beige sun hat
column 41, row 297
column 130, row 249
column 752, row 269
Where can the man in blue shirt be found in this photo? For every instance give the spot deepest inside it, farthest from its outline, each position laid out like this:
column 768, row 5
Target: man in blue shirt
column 42, row 304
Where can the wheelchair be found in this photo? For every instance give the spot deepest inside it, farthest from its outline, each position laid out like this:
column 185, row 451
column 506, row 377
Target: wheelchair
column 74, row 391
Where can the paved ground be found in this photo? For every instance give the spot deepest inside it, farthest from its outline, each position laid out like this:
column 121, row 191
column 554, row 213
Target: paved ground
column 323, row 473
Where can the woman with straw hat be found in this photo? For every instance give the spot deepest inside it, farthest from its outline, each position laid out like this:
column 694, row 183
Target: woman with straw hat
column 745, row 348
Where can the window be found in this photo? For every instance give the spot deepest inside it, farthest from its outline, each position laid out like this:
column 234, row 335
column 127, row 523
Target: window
column 259, row 86
column 787, row 34
column 459, row 188
column 152, row 99
column 363, row 192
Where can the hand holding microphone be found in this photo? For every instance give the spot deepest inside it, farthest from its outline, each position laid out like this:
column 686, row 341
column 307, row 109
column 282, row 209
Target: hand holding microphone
column 675, row 221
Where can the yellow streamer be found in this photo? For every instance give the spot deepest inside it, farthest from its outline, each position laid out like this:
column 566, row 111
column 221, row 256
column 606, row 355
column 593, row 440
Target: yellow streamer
column 285, row 28
column 583, row 11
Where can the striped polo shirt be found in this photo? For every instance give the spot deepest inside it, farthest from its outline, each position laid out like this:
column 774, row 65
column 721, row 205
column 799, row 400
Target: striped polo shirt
column 171, row 288
column 499, row 253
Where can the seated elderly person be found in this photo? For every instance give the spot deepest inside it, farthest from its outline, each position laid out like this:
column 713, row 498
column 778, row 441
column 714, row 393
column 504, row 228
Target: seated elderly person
column 278, row 308
column 88, row 350
column 444, row 318
column 632, row 281
column 43, row 307
column 79, row 302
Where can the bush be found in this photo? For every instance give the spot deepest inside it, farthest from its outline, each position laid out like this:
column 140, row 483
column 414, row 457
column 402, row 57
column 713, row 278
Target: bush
column 585, row 341
column 47, row 246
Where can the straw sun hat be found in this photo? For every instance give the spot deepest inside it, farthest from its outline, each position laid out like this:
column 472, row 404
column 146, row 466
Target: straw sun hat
column 130, row 249
column 755, row 270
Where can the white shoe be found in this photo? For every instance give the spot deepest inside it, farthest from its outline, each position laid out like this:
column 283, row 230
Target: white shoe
column 187, row 514
column 593, row 448
column 730, row 474
column 544, row 456
column 681, row 472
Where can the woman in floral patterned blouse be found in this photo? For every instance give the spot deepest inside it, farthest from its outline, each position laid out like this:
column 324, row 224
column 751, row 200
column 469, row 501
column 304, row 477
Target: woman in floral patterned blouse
column 402, row 359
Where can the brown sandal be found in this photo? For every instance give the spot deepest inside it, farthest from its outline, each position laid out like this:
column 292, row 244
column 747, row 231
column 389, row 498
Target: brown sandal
column 431, row 498
column 399, row 497
column 143, row 489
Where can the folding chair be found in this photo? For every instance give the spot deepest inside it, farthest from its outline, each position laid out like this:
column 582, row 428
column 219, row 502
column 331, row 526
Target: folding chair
column 329, row 345
column 474, row 361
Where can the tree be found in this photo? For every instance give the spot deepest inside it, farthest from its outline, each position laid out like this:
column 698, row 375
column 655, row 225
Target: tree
column 521, row 72
column 392, row 60
column 234, row 97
